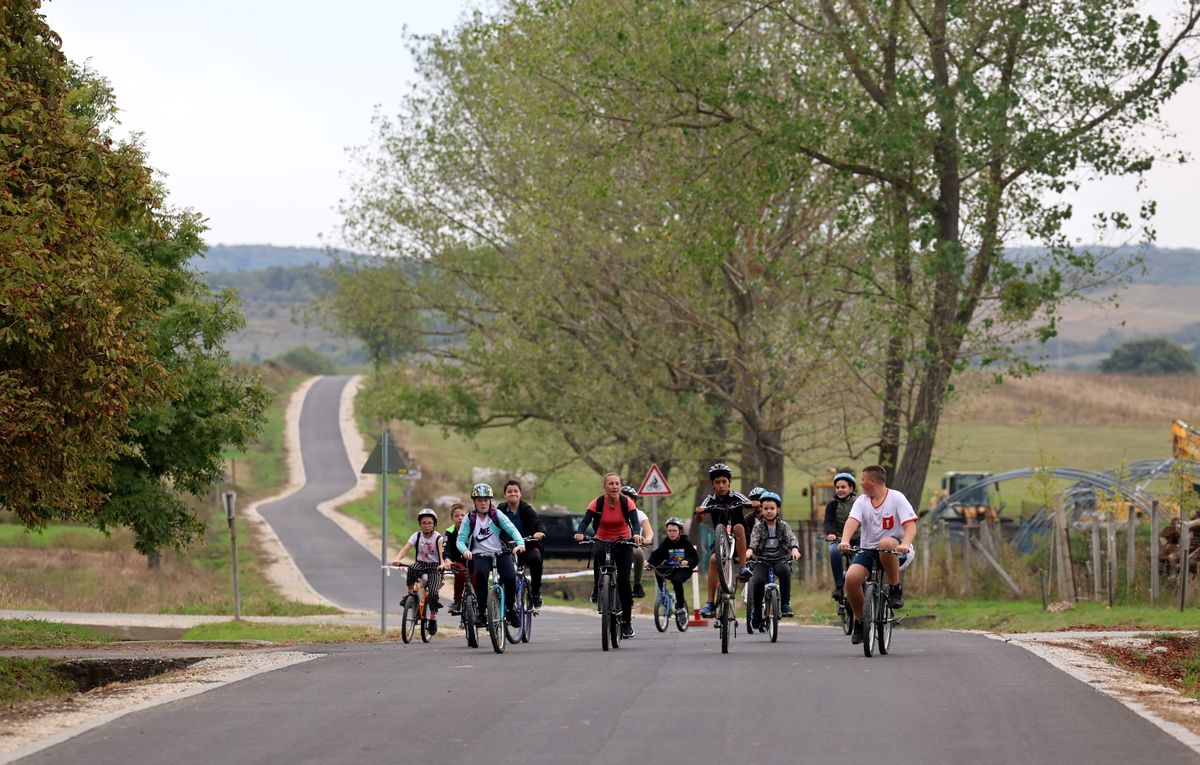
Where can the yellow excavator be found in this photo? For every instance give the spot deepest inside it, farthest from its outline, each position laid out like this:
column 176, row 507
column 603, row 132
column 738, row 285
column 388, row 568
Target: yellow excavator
column 1185, row 441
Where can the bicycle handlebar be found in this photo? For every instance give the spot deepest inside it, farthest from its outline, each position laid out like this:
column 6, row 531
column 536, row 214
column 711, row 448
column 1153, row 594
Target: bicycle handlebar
column 594, row 541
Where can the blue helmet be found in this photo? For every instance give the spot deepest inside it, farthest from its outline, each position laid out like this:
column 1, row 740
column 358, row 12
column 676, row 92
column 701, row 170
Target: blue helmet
column 756, row 493
column 846, row 477
column 778, row 500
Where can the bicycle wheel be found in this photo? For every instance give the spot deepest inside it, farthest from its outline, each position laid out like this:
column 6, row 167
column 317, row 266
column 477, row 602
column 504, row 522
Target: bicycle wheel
column 408, row 620
column 746, row 596
column 771, row 614
column 470, row 617
column 885, row 628
column 526, row 616
column 515, row 633
column 726, row 624
column 846, row 616
column 495, row 617
column 614, row 608
column 868, row 620
column 606, row 614
column 662, row 612
column 724, row 560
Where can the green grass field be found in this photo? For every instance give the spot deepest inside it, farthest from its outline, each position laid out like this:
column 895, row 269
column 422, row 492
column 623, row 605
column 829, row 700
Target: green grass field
column 37, row 633
column 293, row 634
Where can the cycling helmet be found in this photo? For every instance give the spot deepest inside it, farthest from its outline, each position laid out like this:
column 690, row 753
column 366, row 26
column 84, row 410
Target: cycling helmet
column 778, row 500
column 629, row 491
column 846, row 477
column 718, row 470
column 673, row 521
column 426, row 511
column 481, row 490
column 756, row 493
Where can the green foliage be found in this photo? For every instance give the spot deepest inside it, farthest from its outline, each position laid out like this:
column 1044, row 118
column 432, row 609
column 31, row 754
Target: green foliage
column 295, row 634
column 369, row 301
column 1150, row 356
column 75, row 311
column 24, row 680
column 115, row 391
column 37, row 633
column 307, row 360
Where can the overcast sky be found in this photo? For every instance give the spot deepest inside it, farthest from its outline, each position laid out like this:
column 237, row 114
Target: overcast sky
column 248, row 107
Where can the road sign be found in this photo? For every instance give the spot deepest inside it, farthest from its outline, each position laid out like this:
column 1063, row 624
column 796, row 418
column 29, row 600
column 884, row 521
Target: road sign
column 655, row 484
column 374, row 464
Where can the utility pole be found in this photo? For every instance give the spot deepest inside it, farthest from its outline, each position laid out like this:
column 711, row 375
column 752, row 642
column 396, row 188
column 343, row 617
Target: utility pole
column 230, row 498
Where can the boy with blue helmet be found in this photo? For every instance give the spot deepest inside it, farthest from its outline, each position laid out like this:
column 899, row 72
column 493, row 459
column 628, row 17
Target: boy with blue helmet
column 772, row 544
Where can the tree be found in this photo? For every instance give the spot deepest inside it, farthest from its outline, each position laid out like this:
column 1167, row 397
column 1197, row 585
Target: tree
column 1149, row 356
column 307, row 360
column 75, row 311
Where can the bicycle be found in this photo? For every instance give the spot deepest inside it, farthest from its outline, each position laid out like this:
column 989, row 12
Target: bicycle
column 608, row 600
column 878, row 616
column 664, row 601
column 726, row 618
column 494, row 608
column 416, row 613
column 523, row 605
column 771, row 608
column 470, row 611
column 845, row 615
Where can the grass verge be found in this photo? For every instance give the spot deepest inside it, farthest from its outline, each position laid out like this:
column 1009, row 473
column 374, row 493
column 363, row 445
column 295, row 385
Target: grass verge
column 26, row 680
column 36, row 633
column 292, row 634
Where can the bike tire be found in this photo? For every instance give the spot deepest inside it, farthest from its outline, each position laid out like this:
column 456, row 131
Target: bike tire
column 771, row 615
column 846, row 616
column 426, row 635
column 885, row 629
column 470, row 617
column 496, row 621
column 526, row 616
column 724, row 561
column 516, row 633
column 868, row 619
column 747, row 594
column 681, row 621
column 606, row 615
column 662, row 613
column 726, row 625
column 614, row 636
column 408, row 621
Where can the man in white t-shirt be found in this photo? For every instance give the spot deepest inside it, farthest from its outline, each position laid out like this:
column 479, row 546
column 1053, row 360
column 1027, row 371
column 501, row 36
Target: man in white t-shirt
column 888, row 522
column 639, row 553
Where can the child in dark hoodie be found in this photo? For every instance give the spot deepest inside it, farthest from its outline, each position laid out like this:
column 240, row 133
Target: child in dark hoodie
column 674, row 550
column 529, row 524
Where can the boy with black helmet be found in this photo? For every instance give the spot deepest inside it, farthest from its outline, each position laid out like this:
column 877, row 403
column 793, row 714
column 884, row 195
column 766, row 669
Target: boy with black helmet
column 678, row 551
column 725, row 506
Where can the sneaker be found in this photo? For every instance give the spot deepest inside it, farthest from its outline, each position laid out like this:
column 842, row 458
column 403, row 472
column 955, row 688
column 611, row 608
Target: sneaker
column 433, row 626
column 626, row 631
column 707, row 610
column 744, row 574
column 683, row 612
column 455, row 609
column 754, row 624
column 838, row 594
column 537, row 601
column 856, row 634
column 408, row 601
column 638, row 592
column 683, row 607
column 513, row 620
column 787, row 611
column 896, row 597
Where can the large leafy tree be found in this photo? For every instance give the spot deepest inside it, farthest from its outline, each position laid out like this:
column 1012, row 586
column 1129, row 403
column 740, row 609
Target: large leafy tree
column 127, row 396
column 75, row 310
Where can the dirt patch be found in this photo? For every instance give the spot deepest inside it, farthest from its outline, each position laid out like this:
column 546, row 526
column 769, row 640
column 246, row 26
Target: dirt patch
column 1173, row 660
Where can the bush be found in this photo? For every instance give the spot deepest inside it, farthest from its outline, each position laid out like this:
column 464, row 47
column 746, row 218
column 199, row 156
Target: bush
column 307, row 360
column 1150, row 356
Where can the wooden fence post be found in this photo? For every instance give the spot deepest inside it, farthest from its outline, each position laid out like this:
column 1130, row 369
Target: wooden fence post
column 1130, row 563
column 1153, row 551
column 1112, row 556
column 1097, row 563
column 1185, row 545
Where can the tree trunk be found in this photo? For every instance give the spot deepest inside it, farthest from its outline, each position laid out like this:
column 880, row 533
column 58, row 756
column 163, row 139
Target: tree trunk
column 771, row 456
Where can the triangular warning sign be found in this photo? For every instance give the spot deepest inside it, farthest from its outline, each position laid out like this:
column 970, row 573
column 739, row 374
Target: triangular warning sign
column 655, row 484
column 374, row 465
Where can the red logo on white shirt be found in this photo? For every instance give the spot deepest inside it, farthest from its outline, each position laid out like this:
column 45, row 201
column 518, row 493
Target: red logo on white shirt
column 889, row 521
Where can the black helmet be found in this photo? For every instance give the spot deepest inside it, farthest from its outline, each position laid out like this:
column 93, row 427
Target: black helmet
column 629, row 491
column 718, row 470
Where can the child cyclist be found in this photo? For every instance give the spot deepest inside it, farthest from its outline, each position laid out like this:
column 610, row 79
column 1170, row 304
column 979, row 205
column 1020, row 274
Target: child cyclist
column 888, row 522
column 428, row 544
column 480, row 532
column 677, row 551
column 451, row 553
column 726, row 507
column 772, row 543
column 836, row 513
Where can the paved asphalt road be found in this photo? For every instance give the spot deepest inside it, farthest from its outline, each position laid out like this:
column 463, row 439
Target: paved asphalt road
column 940, row 697
column 337, row 566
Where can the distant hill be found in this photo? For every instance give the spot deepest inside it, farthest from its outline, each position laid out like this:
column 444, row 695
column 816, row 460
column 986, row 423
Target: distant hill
column 1170, row 266
column 258, row 257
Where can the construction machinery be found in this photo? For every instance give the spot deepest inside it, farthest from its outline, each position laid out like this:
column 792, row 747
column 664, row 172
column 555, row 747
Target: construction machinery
column 1185, row 441
column 974, row 506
